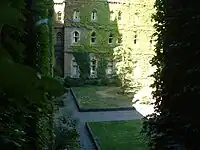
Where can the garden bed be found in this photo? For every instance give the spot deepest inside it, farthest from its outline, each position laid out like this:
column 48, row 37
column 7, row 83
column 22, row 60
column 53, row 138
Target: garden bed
column 102, row 97
column 119, row 135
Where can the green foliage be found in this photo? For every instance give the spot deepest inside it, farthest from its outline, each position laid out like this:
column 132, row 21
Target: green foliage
column 124, row 66
column 175, row 125
column 102, row 65
column 119, row 135
column 83, row 61
column 65, row 132
column 26, row 93
column 103, row 26
column 43, row 48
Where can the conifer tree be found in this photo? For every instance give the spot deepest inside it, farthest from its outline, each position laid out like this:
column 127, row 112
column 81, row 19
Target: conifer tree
column 175, row 123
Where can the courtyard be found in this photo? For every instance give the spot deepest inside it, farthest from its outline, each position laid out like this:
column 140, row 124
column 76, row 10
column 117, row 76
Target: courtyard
column 119, row 135
column 102, row 97
column 112, row 129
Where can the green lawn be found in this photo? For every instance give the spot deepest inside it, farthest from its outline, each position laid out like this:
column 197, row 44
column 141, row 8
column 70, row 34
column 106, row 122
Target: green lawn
column 119, row 135
column 102, row 97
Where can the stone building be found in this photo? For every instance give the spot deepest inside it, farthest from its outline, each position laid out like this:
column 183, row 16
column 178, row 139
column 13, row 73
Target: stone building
column 59, row 7
column 98, row 25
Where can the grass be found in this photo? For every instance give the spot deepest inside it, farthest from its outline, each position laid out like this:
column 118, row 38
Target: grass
column 119, row 135
column 102, row 97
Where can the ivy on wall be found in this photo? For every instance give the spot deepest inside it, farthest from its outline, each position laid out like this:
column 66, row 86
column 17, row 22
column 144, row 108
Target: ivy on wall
column 102, row 27
column 83, row 61
column 127, row 26
column 26, row 92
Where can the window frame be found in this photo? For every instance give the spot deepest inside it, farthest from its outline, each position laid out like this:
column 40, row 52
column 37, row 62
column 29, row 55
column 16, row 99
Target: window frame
column 75, row 36
column 135, row 39
column 75, row 65
column 94, row 15
column 59, row 36
column 93, row 67
column 76, row 15
column 59, row 16
column 93, row 37
column 111, row 36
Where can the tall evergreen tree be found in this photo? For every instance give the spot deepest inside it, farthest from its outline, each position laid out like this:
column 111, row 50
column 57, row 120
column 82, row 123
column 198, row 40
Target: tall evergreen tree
column 176, row 122
column 25, row 106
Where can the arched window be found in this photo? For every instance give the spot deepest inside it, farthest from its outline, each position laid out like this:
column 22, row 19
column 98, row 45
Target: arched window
column 94, row 15
column 59, row 16
column 76, row 37
column 110, row 39
column 119, row 15
column 93, row 38
column 59, row 38
column 76, row 16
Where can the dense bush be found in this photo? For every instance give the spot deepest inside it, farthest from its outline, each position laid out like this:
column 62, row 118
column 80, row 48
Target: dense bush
column 66, row 135
column 71, row 82
column 78, row 82
column 175, row 125
column 27, row 89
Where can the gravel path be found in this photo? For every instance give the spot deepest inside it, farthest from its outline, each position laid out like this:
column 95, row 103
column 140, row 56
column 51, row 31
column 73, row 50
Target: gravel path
column 83, row 117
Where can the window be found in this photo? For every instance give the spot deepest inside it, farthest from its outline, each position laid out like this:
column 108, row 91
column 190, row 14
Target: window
column 93, row 38
column 93, row 68
column 135, row 39
column 59, row 16
column 110, row 39
column 76, row 36
column 110, row 68
column 119, row 15
column 94, row 15
column 59, row 38
column 112, row 16
column 76, row 16
column 75, row 69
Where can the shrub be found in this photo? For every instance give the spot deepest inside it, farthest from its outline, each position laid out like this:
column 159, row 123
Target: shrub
column 65, row 134
column 65, row 128
column 73, row 82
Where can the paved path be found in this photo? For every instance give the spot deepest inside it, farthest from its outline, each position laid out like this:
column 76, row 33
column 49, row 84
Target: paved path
column 82, row 117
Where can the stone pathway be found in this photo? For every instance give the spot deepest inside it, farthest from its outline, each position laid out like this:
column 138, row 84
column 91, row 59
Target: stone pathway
column 83, row 117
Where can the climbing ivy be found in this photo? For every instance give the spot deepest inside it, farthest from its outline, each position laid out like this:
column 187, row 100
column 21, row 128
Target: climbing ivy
column 83, row 61
column 26, row 92
column 102, row 27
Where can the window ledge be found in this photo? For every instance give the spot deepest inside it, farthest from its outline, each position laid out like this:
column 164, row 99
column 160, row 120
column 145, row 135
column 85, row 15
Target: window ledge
column 76, row 20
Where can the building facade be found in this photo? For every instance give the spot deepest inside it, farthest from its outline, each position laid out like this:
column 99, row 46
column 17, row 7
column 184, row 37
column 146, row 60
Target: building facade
column 98, row 26
column 59, row 7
